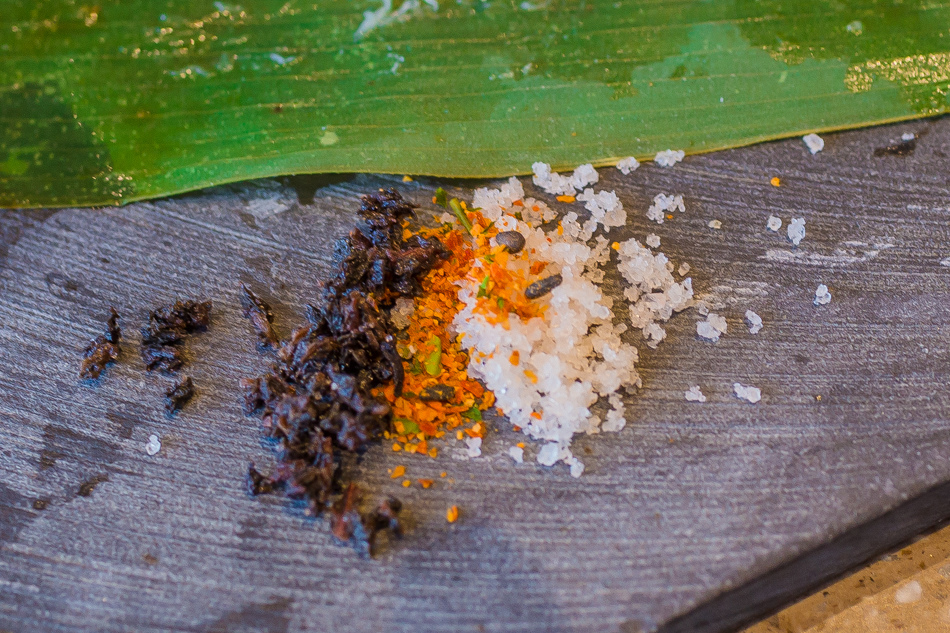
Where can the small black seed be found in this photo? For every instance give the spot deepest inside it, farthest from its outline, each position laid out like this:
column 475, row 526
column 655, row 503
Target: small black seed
column 439, row 393
column 512, row 240
column 542, row 287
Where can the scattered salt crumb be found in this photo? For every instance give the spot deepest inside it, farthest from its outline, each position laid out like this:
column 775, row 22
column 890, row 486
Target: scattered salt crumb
column 577, row 469
column 714, row 224
column 822, row 296
column 712, row 328
column 548, row 454
column 684, row 268
column 653, row 240
column 911, row 592
column 628, row 165
column 695, row 395
column 474, row 446
column 796, row 230
column 908, row 136
column 516, row 453
column 154, row 445
column 774, row 223
column 743, row 392
column 814, row 143
column 446, row 218
column 945, row 261
column 558, row 185
column 702, row 307
column 754, row 321
column 663, row 203
column 669, row 157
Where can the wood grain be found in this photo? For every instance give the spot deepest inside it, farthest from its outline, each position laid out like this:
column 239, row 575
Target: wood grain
column 691, row 512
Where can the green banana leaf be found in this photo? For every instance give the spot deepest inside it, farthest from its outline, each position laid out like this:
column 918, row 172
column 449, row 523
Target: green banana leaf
column 106, row 102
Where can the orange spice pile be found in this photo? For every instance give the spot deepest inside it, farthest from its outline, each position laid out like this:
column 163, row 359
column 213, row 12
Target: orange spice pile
column 435, row 363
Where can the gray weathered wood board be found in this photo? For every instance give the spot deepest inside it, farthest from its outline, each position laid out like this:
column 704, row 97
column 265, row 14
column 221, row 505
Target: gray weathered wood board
column 689, row 502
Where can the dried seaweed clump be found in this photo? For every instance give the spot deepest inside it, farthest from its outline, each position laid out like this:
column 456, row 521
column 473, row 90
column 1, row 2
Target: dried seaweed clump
column 318, row 400
column 260, row 316
column 102, row 350
column 179, row 394
column 166, row 330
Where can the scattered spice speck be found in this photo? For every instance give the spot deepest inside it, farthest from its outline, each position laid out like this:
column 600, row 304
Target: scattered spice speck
column 398, row 472
column 452, row 514
column 776, row 181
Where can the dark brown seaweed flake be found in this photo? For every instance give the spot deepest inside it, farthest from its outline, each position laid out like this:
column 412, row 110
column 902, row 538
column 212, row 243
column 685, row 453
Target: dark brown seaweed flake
column 179, row 394
column 102, row 350
column 318, row 400
column 166, row 330
column 260, row 316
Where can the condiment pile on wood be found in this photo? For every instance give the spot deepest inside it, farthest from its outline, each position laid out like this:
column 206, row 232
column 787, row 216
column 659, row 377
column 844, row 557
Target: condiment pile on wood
column 424, row 329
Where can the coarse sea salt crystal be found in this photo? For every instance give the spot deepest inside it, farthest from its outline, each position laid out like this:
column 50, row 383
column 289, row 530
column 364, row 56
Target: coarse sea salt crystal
column 653, row 240
column 628, row 165
column 474, row 445
column 584, row 176
column 669, row 157
column 663, row 203
column 908, row 136
column 814, row 143
column 683, row 269
column 712, row 328
column 714, row 224
column 945, row 261
column 552, row 182
column 773, row 223
column 796, row 230
column 747, row 392
column 516, row 453
column 154, row 445
column 754, row 321
column 548, row 454
column 822, row 296
column 577, row 469
column 695, row 395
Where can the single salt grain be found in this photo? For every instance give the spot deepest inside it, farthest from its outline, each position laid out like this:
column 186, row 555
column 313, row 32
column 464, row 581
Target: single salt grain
column 908, row 136
column 822, row 296
column 669, row 157
column 653, row 240
column 447, row 218
column 154, row 445
column 695, row 395
column 712, row 328
column 474, row 446
column 745, row 392
column 628, row 165
column 796, row 230
column 683, row 269
column 754, row 321
column 814, row 143
column 548, row 454
column 516, row 453
column 715, row 224
column 945, row 261
column 577, row 469
column 911, row 592
column 774, row 223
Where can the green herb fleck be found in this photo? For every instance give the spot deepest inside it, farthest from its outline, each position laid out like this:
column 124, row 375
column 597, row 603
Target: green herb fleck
column 474, row 413
column 410, row 427
column 415, row 367
column 460, row 214
column 518, row 216
column 501, row 303
column 441, row 198
column 433, row 363
column 483, row 288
